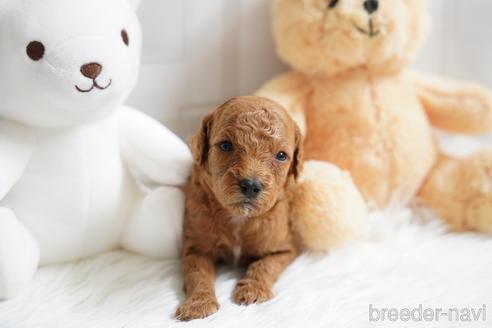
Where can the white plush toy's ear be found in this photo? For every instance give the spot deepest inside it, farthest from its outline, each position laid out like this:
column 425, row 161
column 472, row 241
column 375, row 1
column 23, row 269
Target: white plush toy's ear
column 135, row 4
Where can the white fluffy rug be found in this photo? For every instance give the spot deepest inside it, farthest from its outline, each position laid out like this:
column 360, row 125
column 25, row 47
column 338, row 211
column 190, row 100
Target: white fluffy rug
column 401, row 263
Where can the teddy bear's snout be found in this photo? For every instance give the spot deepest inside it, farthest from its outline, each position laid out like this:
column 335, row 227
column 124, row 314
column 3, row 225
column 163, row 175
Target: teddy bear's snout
column 91, row 70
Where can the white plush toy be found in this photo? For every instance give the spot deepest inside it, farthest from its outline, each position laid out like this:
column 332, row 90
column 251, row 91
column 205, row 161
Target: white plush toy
column 70, row 153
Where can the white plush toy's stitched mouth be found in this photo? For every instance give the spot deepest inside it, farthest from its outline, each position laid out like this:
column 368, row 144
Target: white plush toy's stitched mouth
column 95, row 85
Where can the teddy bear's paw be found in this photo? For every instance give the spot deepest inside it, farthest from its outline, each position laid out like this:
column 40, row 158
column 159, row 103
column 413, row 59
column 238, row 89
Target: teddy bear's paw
column 460, row 192
column 479, row 215
column 198, row 306
column 250, row 291
column 478, row 189
column 328, row 210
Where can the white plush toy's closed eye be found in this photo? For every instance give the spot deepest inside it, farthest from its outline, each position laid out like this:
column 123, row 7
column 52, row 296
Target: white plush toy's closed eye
column 73, row 153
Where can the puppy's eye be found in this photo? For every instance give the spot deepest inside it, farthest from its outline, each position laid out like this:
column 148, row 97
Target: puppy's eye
column 226, row 146
column 332, row 4
column 281, row 157
column 125, row 37
column 35, row 50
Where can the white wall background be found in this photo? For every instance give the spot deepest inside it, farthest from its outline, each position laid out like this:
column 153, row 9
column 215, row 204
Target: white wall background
column 198, row 53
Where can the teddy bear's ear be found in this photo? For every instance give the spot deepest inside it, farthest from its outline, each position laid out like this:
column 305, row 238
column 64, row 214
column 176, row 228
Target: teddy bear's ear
column 135, row 4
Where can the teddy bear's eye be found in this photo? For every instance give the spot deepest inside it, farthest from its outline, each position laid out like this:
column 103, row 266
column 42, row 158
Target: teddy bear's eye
column 332, row 4
column 35, row 50
column 125, row 37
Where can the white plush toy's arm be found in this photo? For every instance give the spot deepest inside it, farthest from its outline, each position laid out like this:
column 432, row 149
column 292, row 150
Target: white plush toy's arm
column 16, row 146
column 151, row 151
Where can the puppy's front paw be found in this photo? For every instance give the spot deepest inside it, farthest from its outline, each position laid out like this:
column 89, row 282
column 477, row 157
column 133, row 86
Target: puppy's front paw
column 249, row 291
column 197, row 307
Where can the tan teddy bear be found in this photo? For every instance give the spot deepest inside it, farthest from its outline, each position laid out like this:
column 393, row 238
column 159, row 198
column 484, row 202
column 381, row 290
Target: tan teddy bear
column 362, row 109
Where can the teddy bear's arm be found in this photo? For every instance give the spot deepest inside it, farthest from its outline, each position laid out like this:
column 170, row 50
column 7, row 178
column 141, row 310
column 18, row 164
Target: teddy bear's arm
column 151, row 151
column 16, row 146
column 455, row 106
column 291, row 91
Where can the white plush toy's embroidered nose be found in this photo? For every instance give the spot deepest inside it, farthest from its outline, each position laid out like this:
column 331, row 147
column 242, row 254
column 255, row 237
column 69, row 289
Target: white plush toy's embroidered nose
column 70, row 153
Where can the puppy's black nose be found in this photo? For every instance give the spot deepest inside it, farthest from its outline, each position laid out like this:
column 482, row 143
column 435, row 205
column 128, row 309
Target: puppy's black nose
column 250, row 188
column 371, row 6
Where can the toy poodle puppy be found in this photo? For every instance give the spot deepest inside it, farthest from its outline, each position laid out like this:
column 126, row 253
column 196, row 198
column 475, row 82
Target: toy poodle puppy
column 248, row 155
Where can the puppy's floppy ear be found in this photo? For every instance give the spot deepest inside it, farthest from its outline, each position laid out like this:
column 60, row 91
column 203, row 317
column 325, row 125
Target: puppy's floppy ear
column 298, row 160
column 200, row 142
